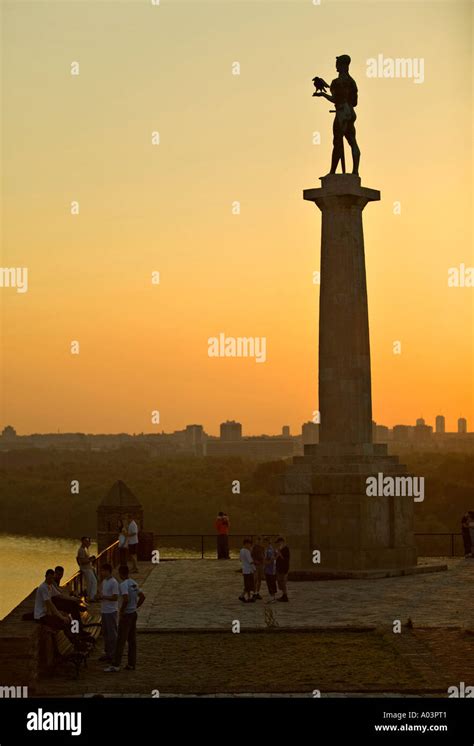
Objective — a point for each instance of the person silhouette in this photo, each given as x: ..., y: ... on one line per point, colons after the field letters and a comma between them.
x: 344, y: 96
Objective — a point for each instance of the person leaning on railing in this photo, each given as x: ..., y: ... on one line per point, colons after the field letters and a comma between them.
x: 85, y: 560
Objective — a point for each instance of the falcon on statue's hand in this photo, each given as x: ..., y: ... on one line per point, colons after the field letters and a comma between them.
x: 320, y: 85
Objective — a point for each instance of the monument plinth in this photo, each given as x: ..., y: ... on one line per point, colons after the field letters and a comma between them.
x: 324, y: 501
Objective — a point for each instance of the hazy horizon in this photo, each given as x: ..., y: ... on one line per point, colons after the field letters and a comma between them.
x: 245, y: 433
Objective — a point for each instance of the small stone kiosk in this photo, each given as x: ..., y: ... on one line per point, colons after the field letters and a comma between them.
x: 118, y: 503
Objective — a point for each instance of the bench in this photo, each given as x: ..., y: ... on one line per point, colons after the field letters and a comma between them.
x: 91, y: 624
x: 74, y: 650
x: 64, y: 650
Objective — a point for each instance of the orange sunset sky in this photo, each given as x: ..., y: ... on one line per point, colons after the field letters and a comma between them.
x: 168, y: 208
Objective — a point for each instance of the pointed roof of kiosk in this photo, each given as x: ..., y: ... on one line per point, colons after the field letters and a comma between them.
x: 120, y: 496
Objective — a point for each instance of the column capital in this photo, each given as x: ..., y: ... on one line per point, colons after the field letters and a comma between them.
x: 341, y: 185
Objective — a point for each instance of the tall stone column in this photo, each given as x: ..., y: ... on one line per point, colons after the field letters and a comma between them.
x: 325, y: 508
x: 345, y: 400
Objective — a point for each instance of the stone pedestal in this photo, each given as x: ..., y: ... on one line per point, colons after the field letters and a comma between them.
x: 325, y: 507
x: 323, y: 499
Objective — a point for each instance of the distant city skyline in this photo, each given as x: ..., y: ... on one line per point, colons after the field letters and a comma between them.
x: 233, y: 441
x: 234, y: 429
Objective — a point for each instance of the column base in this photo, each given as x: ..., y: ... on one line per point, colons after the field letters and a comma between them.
x: 325, y: 510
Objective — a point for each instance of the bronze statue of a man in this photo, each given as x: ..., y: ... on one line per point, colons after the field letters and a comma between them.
x: 344, y: 96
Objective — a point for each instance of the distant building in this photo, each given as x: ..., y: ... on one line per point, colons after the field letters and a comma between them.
x: 9, y: 433
x: 285, y: 431
x: 422, y: 431
x: 194, y: 439
x: 462, y: 426
x: 231, y: 430
x: 402, y: 432
x: 310, y: 433
x: 440, y: 424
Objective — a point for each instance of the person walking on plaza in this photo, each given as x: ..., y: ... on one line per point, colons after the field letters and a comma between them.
x: 282, y: 568
x: 132, y: 598
x: 109, y: 593
x: 270, y: 570
x: 132, y: 536
x: 222, y: 525
x: 85, y: 560
x: 258, y: 557
x: 248, y: 573
x: 466, y: 535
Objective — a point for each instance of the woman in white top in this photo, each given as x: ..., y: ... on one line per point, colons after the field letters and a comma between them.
x: 132, y: 533
x: 123, y: 542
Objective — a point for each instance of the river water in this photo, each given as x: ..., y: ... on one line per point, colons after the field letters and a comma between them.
x: 25, y: 559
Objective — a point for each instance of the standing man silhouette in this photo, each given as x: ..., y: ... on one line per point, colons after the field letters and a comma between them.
x: 344, y: 96
x: 222, y: 525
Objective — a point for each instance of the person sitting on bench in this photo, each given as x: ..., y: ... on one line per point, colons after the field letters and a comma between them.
x: 69, y: 604
x: 45, y: 611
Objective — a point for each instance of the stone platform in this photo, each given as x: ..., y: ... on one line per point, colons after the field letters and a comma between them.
x: 325, y: 508
x: 203, y: 595
x: 336, y: 637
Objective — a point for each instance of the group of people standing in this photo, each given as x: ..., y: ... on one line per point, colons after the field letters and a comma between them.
x: 119, y: 617
x: 261, y: 560
x: 119, y: 603
x: 119, y: 599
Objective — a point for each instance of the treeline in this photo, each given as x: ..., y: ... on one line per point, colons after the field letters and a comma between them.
x: 179, y: 495
x: 449, y: 489
x: 183, y: 495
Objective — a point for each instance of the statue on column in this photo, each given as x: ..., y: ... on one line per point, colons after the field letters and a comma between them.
x: 344, y: 97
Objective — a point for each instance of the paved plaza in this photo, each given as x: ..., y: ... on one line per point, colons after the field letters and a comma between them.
x: 203, y: 594
x: 334, y: 636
